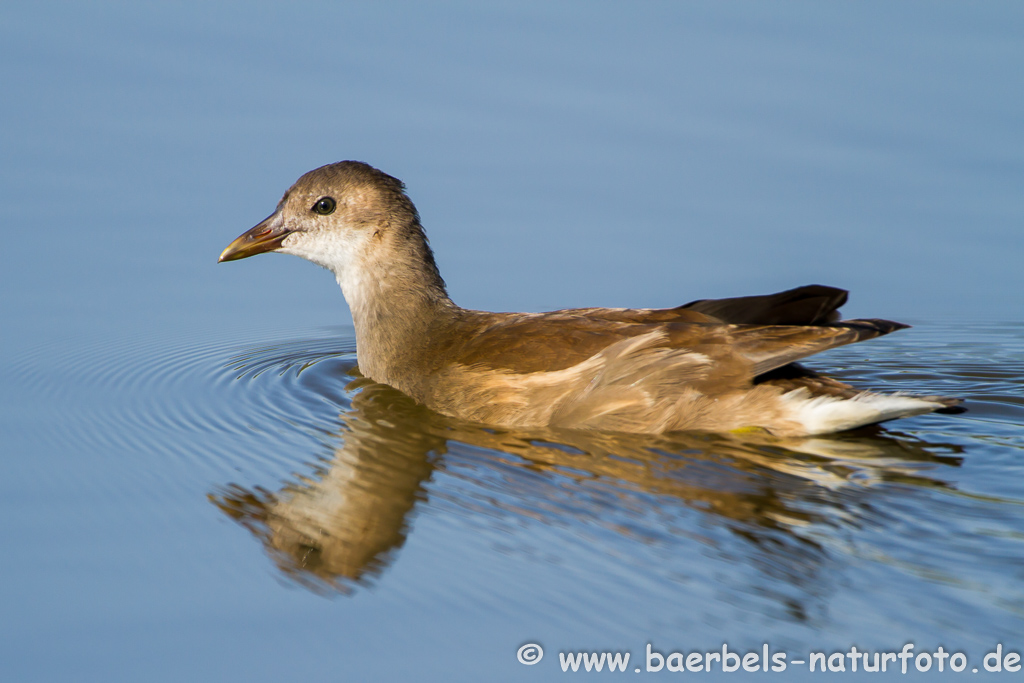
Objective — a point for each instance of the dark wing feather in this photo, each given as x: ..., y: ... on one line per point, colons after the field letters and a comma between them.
x: 809, y: 305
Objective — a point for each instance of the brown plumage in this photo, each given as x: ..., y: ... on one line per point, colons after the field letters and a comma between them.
x: 712, y: 364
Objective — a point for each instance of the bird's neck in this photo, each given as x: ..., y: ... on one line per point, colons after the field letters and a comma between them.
x: 399, y: 306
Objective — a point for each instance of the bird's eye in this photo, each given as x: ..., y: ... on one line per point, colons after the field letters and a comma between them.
x: 325, y: 205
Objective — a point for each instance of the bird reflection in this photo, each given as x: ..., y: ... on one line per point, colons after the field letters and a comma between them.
x: 342, y: 525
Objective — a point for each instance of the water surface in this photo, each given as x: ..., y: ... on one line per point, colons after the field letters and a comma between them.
x: 269, y: 474
x: 197, y: 484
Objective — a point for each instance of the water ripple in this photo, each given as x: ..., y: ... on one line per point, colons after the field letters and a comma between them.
x: 180, y: 398
x: 326, y: 469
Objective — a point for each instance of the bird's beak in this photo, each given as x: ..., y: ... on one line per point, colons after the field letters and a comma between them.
x: 267, y: 236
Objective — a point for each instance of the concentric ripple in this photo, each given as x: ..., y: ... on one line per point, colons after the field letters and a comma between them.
x: 326, y: 469
x: 198, y: 400
x: 149, y: 392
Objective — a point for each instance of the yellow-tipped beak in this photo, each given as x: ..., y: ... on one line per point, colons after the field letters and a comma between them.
x: 267, y: 236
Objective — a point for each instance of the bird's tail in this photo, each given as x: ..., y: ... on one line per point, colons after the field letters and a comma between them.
x: 828, y: 414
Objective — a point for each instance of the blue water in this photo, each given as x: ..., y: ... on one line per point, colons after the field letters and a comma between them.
x: 197, y: 483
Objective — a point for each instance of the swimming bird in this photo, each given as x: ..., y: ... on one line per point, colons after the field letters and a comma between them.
x: 715, y: 365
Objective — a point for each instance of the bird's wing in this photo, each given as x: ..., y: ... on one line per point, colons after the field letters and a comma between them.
x: 772, y: 346
x: 545, y: 342
x: 538, y: 342
x: 808, y: 305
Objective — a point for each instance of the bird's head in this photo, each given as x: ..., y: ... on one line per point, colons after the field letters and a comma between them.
x: 337, y: 216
